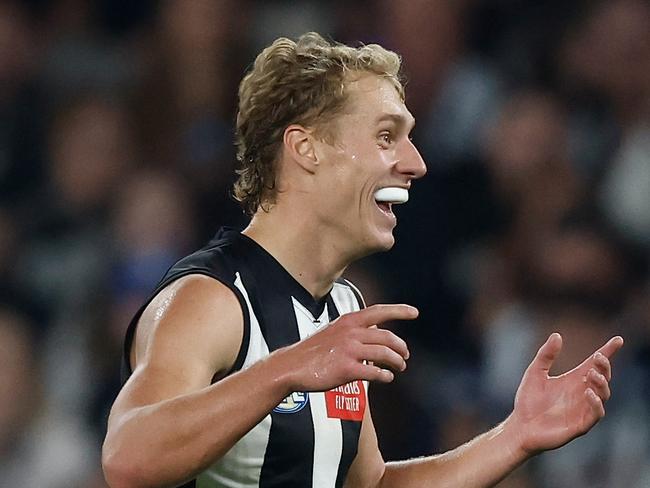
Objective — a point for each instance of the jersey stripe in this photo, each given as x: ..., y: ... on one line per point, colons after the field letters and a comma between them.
x: 343, y: 298
x: 287, y: 463
x: 355, y: 290
x: 328, y: 441
x: 241, y: 466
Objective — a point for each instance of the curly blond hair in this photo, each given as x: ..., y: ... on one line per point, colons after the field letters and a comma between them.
x: 302, y: 82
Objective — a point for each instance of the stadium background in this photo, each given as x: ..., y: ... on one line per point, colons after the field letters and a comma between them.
x: 116, y: 158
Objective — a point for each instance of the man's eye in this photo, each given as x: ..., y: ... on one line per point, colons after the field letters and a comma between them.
x: 386, y: 138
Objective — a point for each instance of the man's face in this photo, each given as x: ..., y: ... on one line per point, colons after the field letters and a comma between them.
x: 370, y: 150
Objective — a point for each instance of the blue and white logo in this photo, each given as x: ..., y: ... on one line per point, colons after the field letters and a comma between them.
x: 293, y: 403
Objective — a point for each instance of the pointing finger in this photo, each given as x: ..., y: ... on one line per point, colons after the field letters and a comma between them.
x: 611, y: 347
x: 377, y: 314
x: 601, y: 357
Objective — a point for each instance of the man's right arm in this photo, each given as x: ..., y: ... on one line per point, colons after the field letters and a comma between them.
x: 170, y: 422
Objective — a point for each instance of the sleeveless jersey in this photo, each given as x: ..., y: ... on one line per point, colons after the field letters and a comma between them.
x: 310, y: 439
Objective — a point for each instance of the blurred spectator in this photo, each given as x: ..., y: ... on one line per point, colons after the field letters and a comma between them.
x: 528, y: 161
x: 21, y: 107
x: 91, y: 149
x: 64, y: 257
x: 428, y: 34
x: 79, y: 54
x: 153, y: 226
x: 186, y: 99
x: 281, y: 18
x: 609, y: 53
x: 624, y: 193
x: 604, y: 66
x: 38, y: 447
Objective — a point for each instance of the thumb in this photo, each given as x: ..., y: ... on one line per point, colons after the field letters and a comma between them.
x: 547, y: 353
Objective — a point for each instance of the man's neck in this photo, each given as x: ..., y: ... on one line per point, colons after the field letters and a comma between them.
x: 296, y: 242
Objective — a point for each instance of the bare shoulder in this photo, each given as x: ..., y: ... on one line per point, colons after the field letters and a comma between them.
x: 190, y: 333
x: 195, y: 315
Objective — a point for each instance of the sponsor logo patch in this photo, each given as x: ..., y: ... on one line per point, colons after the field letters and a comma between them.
x: 293, y: 403
x: 347, y: 402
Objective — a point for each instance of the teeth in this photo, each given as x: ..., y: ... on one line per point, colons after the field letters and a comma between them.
x: 392, y: 194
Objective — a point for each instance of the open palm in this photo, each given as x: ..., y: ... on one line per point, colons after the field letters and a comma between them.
x: 552, y: 410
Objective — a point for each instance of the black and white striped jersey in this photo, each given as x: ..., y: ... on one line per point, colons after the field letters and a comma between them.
x: 310, y: 439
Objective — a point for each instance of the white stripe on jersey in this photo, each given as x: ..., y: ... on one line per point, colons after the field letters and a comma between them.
x: 328, y: 437
x: 344, y: 298
x: 241, y: 466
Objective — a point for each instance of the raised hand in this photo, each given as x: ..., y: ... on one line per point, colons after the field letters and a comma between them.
x: 349, y: 349
x: 552, y: 410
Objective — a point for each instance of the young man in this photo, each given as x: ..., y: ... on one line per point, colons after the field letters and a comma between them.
x: 250, y: 364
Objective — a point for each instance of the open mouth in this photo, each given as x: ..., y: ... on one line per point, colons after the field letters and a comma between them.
x: 386, y: 197
x: 385, y: 207
x: 392, y: 194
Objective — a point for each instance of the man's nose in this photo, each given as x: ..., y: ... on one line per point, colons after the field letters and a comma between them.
x: 411, y: 162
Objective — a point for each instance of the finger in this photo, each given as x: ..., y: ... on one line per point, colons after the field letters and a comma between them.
x: 370, y: 372
x: 599, y: 384
x: 596, y: 405
x: 377, y: 314
x: 607, y: 351
x: 383, y: 356
x: 611, y: 347
x: 547, y: 353
x: 386, y: 338
x: 603, y: 366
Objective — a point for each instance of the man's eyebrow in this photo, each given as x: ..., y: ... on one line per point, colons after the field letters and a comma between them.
x: 398, y: 119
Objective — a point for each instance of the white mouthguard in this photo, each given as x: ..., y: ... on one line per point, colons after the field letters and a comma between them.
x: 392, y: 194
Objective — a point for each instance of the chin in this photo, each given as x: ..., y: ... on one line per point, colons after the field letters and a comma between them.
x: 387, y: 242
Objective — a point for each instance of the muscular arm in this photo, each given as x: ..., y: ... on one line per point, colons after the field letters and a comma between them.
x: 548, y: 413
x: 169, y: 422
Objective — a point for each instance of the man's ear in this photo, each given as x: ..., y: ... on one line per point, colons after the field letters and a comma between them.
x: 299, y: 144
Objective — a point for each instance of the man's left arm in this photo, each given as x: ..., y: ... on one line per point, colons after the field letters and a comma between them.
x: 549, y: 412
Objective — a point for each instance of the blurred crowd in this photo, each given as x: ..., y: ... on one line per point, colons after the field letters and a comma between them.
x: 116, y: 158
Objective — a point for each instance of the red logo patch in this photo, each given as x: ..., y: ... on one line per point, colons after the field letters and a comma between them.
x: 347, y: 402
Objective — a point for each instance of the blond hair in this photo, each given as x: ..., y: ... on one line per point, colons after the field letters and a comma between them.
x: 300, y: 82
